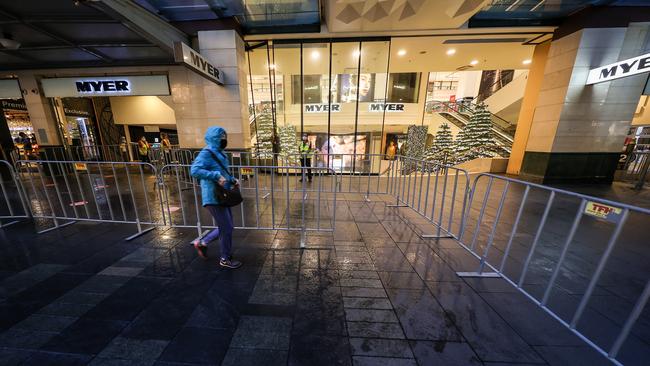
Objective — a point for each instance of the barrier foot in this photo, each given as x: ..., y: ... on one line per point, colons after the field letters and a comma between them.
x: 396, y: 205
x: 139, y: 233
x: 55, y: 227
x: 2, y: 226
x: 266, y: 195
x: 366, y: 198
x: 432, y: 236
x: 479, y: 274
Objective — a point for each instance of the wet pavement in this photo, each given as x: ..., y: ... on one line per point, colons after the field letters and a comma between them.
x: 371, y: 293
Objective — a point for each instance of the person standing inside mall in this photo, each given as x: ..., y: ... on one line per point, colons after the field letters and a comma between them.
x: 306, y: 153
x: 211, y: 167
x: 143, y: 149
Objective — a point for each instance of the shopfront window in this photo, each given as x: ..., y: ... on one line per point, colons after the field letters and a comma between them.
x: 403, y: 87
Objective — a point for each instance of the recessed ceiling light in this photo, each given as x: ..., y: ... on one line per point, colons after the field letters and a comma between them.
x: 473, y: 62
x: 401, y: 52
x: 423, y: 52
x: 315, y: 55
x: 272, y: 66
x: 527, y: 62
x: 451, y: 51
x: 356, y: 53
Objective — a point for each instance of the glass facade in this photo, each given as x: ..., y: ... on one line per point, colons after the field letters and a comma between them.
x: 350, y: 99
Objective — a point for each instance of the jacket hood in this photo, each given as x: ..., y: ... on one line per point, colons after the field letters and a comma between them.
x: 213, y: 137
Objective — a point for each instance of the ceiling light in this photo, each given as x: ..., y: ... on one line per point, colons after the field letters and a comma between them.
x: 356, y: 53
x: 272, y: 66
x: 527, y: 62
x: 451, y: 51
x: 473, y: 62
x: 401, y: 52
x: 315, y: 55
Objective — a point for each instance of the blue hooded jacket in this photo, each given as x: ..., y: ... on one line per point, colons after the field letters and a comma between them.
x: 206, y: 168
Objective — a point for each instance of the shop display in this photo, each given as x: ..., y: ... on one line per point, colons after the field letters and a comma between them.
x: 416, y: 141
x: 441, y: 151
x: 289, y: 145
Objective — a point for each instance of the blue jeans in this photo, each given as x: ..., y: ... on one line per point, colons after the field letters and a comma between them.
x: 223, y: 216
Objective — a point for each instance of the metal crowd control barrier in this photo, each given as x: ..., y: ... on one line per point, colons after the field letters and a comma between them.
x: 519, y: 231
x: 70, y: 191
x: 637, y: 170
x: 273, y: 200
x: 438, y: 193
x: 12, y: 205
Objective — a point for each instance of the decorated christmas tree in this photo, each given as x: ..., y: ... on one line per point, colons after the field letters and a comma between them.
x: 442, y: 149
x: 264, y: 145
x: 479, y: 130
x: 289, y: 145
x: 461, y: 147
x: 416, y: 140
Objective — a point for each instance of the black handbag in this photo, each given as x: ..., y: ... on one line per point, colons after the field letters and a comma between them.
x: 226, y: 197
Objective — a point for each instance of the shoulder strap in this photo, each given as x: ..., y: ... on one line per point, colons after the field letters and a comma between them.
x: 214, y: 156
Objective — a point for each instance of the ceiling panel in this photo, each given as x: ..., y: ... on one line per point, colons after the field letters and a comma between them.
x: 58, y: 55
x: 27, y: 35
x: 104, y: 32
x: 132, y: 53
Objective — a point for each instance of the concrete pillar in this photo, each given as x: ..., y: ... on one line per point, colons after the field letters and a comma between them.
x: 218, y: 105
x: 578, y: 130
x: 41, y: 114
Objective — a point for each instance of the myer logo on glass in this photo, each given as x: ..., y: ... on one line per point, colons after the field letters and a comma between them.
x: 99, y: 86
x: 620, y: 69
x: 388, y: 107
x: 322, y: 108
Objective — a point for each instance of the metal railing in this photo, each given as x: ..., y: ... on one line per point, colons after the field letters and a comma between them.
x: 519, y: 231
x: 12, y: 205
x: 636, y: 170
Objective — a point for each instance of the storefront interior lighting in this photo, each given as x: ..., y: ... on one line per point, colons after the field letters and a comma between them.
x: 527, y: 62
x: 315, y: 55
x: 451, y: 51
x: 356, y: 53
x: 473, y: 62
x: 272, y: 66
x: 401, y: 52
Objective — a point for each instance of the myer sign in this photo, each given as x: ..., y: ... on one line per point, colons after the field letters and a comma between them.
x: 183, y: 53
x: 620, y: 69
x: 322, y: 108
x: 112, y: 86
x: 388, y: 107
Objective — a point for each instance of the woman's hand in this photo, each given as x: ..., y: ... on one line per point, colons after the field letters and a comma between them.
x: 222, y: 181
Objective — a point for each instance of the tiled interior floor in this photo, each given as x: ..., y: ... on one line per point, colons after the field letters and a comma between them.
x: 371, y: 293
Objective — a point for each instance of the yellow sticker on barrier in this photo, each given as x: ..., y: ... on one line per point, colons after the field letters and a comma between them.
x: 80, y: 166
x: 246, y: 171
x: 603, y: 211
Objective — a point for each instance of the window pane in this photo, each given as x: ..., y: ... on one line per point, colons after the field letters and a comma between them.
x: 403, y: 87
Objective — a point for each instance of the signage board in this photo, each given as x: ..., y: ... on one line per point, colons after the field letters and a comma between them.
x: 603, y: 211
x: 185, y: 54
x: 10, y: 89
x: 80, y: 166
x: 322, y: 108
x: 388, y: 107
x: 109, y: 86
x: 246, y: 171
x: 18, y: 105
x: 620, y: 69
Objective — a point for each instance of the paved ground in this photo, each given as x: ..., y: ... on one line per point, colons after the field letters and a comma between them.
x: 371, y: 293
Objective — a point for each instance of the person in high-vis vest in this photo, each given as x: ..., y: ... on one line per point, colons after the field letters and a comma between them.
x: 306, y: 153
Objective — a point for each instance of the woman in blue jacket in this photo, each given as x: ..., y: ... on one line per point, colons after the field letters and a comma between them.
x: 206, y: 168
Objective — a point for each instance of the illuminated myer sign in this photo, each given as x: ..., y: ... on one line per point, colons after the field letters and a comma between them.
x: 388, y: 107
x: 185, y: 54
x: 620, y: 69
x: 95, y: 86
x: 322, y: 108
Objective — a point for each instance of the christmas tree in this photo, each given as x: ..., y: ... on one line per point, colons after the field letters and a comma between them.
x: 443, y: 146
x: 479, y: 130
x: 416, y: 140
x: 461, y: 147
x: 289, y: 145
x: 264, y: 145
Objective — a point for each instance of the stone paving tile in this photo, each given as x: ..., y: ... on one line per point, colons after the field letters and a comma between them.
x: 254, y: 357
x: 358, y: 274
x: 444, y: 353
x: 370, y: 315
x: 362, y: 292
x: 28, y: 278
x: 198, y: 345
x: 47, y: 323
x: 134, y: 350
x: 421, y: 316
x: 85, y: 336
x: 361, y: 282
x: 384, y: 361
x: 318, y: 350
x: 380, y: 347
x: 262, y: 332
x: 401, y: 280
x: 375, y: 330
x: 50, y: 358
x: 25, y: 338
x: 65, y: 309
x: 556, y: 356
x: 13, y: 357
x: 366, y: 303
